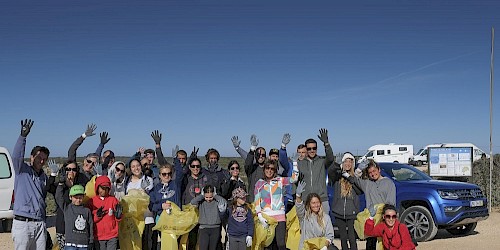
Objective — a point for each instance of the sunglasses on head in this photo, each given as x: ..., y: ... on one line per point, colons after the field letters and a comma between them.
x: 387, y: 216
x: 235, y: 168
x: 312, y: 148
x: 165, y: 174
x: 195, y: 166
x: 70, y: 169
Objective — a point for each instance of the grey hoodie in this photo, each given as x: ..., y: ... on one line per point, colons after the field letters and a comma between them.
x: 310, y: 227
x: 313, y: 173
x: 210, y: 212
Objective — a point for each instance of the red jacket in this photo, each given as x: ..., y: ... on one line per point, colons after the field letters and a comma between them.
x: 398, y: 238
x: 105, y: 228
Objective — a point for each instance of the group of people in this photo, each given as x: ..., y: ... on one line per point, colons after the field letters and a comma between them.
x: 275, y: 184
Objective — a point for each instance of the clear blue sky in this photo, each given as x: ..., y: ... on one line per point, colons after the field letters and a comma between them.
x: 410, y: 72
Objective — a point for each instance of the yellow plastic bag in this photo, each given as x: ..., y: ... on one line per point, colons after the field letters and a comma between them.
x: 135, y: 203
x: 359, y: 223
x: 177, y: 223
x: 89, y: 190
x: 263, y: 237
x: 293, y: 229
x: 314, y: 243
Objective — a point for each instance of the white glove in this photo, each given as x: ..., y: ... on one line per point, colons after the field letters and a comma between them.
x: 263, y: 220
x: 54, y: 168
x: 249, y: 241
x: 346, y: 175
x: 110, y: 212
x: 358, y: 172
x: 324, y: 248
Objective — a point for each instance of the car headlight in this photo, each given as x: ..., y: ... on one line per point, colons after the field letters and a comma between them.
x: 448, y: 194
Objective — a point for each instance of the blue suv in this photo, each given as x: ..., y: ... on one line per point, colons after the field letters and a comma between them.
x: 426, y: 205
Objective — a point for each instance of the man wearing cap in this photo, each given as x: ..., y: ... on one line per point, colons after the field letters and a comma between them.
x: 79, y: 224
x: 29, y: 228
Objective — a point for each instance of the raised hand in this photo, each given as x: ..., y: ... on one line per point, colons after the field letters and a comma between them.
x: 90, y: 130
x: 236, y: 141
x: 174, y: 151
x: 323, y: 135
x: 295, y: 157
x: 100, y: 212
x: 54, y: 168
x: 194, y: 154
x: 301, y: 187
x: 118, y: 211
x: 156, y: 137
x: 254, y: 141
x: 98, y: 169
x: 285, y: 140
x: 26, y: 127
x: 104, y: 137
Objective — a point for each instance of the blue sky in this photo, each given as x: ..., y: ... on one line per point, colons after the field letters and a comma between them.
x: 409, y: 72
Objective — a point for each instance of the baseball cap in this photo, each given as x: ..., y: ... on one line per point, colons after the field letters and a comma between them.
x: 274, y: 151
x: 76, y: 190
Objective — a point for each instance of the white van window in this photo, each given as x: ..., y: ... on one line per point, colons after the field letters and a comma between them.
x: 403, y: 149
x: 5, y: 171
x: 380, y: 152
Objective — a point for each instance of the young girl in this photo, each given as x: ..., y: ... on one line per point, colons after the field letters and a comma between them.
x: 107, y: 212
x: 240, y: 221
x: 314, y: 221
x: 210, y: 213
x: 395, y: 235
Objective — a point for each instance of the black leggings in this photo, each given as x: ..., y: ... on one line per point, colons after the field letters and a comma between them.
x: 208, y: 238
x: 279, y: 237
x: 346, y: 234
x: 371, y: 243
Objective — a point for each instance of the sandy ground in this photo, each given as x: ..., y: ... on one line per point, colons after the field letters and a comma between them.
x: 482, y: 238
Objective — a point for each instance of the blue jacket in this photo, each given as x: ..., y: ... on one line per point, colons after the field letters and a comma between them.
x: 171, y: 191
x: 239, y: 224
x: 283, y: 158
x: 29, y: 197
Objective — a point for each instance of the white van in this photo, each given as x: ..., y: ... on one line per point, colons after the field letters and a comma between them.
x: 402, y: 153
x: 421, y: 156
x: 6, y: 189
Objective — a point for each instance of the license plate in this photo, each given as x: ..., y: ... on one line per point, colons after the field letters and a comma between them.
x: 476, y: 203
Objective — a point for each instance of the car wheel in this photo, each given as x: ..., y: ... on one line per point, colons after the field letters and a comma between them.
x: 420, y: 223
x: 6, y: 225
x: 419, y: 163
x: 463, y: 229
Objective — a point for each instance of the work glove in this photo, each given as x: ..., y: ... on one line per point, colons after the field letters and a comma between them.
x: 118, y: 211
x: 373, y: 210
x: 249, y: 241
x: 98, y: 169
x: 104, y: 138
x: 263, y: 220
x: 61, y: 176
x: 26, y: 127
x: 285, y: 140
x: 90, y: 130
x: 323, y: 135
x: 346, y: 175
x: 295, y: 158
x: 54, y: 168
x: 174, y: 151
x: 358, y: 172
x: 100, y: 212
x: 156, y: 137
x: 221, y: 204
x: 145, y: 184
x: 301, y: 187
x: 194, y: 153
x: 254, y: 142
x: 236, y: 141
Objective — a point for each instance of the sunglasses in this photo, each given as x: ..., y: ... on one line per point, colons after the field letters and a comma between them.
x: 313, y: 148
x: 235, y: 168
x: 267, y: 168
x: 119, y: 170
x: 70, y: 169
x: 195, y: 166
x: 165, y: 174
x: 387, y: 216
x: 90, y: 162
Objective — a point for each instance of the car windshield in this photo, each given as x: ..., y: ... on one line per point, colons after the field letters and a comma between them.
x: 418, y: 153
x: 401, y: 172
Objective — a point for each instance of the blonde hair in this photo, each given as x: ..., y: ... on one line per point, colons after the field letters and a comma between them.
x: 320, y: 214
x: 345, y: 185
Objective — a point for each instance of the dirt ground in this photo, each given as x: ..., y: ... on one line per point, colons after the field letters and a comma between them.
x: 482, y: 238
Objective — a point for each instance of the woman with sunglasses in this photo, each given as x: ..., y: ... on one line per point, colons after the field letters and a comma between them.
x: 269, y: 193
x: 116, y: 174
x: 314, y: 221
x: 233, y: 182
x: 395, y: 235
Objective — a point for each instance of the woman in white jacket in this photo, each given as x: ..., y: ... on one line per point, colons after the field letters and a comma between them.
x: 314, y: 222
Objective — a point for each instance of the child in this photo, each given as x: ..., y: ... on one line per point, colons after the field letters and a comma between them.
x: 107, y: 212
x: 240, y: 221
x: 210, y: 213
x: 79, y: 227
